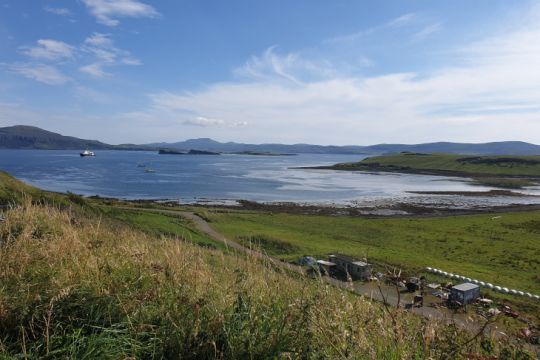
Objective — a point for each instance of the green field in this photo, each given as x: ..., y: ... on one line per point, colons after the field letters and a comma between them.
x: 460, y: 165
x: 502, y: 249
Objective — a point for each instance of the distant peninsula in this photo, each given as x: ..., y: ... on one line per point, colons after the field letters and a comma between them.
x: 262, y: 153
x: 498, y: 171
x: 190, y: 152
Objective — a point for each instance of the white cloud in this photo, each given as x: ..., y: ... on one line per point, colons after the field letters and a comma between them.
x: 58, y: 11
x: 107, y: 12
x: 105, y: 54
x: 402, y: 20
x: 40, y: 72
x: 203, y: 121
x: 239, y: 124
x: 395, y: 23
x: 99, y: 40
x: 48, y: 49
x: 131, y: 61
x: 491, y: 92
x: 95, y: 69
x: 292, y: 67
x: 101, y: 48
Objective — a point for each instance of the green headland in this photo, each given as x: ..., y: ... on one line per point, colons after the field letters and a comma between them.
x: 497, y: 171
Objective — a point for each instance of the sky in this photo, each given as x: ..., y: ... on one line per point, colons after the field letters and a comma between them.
x: 343, y: 72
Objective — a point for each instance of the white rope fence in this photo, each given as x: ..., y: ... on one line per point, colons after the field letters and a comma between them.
x: 497, y: 288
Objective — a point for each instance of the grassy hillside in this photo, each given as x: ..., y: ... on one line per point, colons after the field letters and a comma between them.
x: 158, y: 224
x: 31, y: 137
x: 13, y: 191
x: 449, y: 164
x: 78, y: 287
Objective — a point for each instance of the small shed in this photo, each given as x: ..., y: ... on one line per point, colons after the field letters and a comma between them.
x: 465, y: 293
x: 326, y: 267
x: 355, y: 268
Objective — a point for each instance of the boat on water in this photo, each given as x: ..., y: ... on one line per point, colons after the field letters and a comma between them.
x: 149, y: 170
x: 87, y: 153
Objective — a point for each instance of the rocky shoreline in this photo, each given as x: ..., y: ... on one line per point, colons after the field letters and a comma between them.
x: 387, y: 208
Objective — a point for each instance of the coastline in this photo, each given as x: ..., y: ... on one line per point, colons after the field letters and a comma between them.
x: 389, y: 208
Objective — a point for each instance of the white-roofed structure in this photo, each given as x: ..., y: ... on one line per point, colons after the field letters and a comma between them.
x: 465, y: 293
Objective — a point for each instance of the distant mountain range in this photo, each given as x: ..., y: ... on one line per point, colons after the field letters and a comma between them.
x: 29, y: 137
x: 492, y: 148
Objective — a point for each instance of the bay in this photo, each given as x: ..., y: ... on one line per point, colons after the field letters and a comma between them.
x: 222, y: 178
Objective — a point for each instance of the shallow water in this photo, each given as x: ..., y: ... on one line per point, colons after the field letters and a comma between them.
x: 196, y: 178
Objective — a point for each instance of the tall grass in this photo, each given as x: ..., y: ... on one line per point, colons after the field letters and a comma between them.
x: 74, y: 286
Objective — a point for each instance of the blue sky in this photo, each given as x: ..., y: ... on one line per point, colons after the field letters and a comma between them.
x: 326, y: 72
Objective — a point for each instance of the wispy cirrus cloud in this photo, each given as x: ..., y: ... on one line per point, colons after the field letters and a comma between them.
x: 428, y: 31
x: 420, y: 27
x: 292, y: 67
x: 401, y: 21
x: 395, y: 23
x: 107, y: 12
x: 58, y: 11
x: 48, y: 49
x: 105, y: 54
x: 40, y: 72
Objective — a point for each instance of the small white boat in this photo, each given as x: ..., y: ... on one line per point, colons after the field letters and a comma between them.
x: 87, y: 153
x: 149, y: 170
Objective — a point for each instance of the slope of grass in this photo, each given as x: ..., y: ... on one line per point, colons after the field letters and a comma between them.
x: 13, y: 191
x: 504, y: 249
x: 161, y: 224
x: 76, y: 288
x: 460, y: 165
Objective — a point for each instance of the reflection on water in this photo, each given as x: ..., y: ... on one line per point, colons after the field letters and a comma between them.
x: 232, y: 177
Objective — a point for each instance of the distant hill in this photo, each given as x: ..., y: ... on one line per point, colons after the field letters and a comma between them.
x: 449, y: 164
x: 31, y: 137
x: 493, y: 148
x: 233, y: 147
